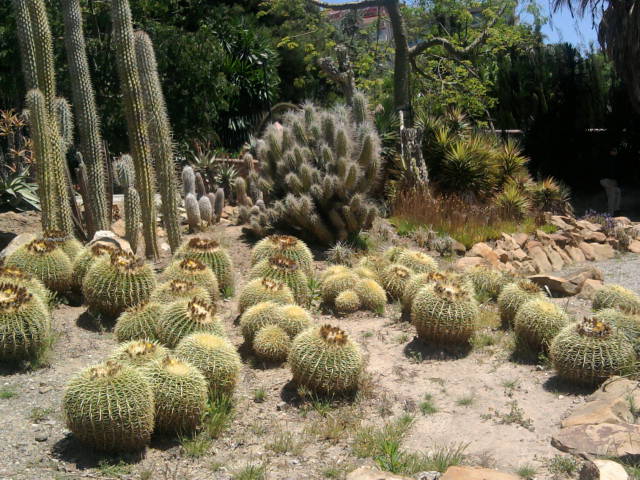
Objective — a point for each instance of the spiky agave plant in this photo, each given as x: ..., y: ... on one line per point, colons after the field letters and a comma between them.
x: 139, y: 322
x: 264, y: 290
x: 212, y: 255
x: 34, y: 286
x: 325, y: 360
x: 110, y: 407
x: 25, y: 324
x: 512, y: 202
x: 513, y: 296
x: 287, y: 271
x: 185, y: 317
x: 285, y: 246
x: 190, y: 270
x: 616, y: 296
x: 116, y: 283
x: 45, y: 261
x: 590, y: 351
x: 175, y: 290
x: 537, y: 322
x: 551, y: 196
x: 138, y: 353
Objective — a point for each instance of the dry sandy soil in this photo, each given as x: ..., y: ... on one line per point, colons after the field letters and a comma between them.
x: 503, y: 411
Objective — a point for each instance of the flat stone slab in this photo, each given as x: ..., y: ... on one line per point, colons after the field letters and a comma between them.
x: 601, y: 440
x: 476, y: 473
x: 368, y: 473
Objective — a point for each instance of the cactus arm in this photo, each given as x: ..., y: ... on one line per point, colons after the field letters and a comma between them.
x: 27, y: 44
x: 44, y: 51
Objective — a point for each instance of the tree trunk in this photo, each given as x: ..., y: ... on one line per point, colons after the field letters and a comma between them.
x: 401, y: 62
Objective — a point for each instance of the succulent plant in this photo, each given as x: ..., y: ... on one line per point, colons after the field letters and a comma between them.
x: 616, y: 296
x: 625, y: 323
x: 212, y: 255
x: 22, y: 279
x: 258, y: 316
x: 334, y: 285
x: 537, y: 322
x: 240, y: 189
x: 139, y: 322
x: 590, y: 351
x: 392, y: 254
x: 417, y: 262
x: 285, y: 246
x: 87, y: 257
x: 513, y: 296
x: 206, y: 210
x: 215, y: 357
x: 110, y: 407
x: 296, y: 319
x: 185, y: 317
x: 188, y: 180
x: 190, y: 270
x: 341, y: 254
x: 272, y: 343
x: 46, y: 262
x: 415, y: 284
x: 180, y: 392
x: 325, y: 360
x: 487, y: 282
x: 371, y: 295
x: 218, y: 204
x: 132, y: 217
x: 138, y: 353
x: 192, y: 207
x: 332, y: 270
x: 375, y: 263
x: 67, y: 243
x: 445, y: 313
x: 116, y: 283
x: 347, y: 302
x: 287, y: 271
x: 263, y: 290
x: 394, y: 279
x: 364, y: 272
x: 25, y: 323
x: 176, y: 290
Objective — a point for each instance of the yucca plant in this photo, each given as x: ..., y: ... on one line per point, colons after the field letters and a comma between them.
x: 509, y: 162
x: 512, y: 202
x: 466, y: 168
x: 551, y: 196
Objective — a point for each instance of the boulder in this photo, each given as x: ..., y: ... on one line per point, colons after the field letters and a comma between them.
x: 590, y: 236
x: 458, y: 247
x: 617, y: 387
x: 540, y: 260
x: 587, y: 250
x: 624, y: 221
x: 476, y: 473
x: 465, y: 263
x: 558, y: 286
x: 484, y: 251
x: 118, y: 227
x: 634, y: 246
x: 603, y: 251
x: 610, y: 470
x: 588, y: 273
x: 543, y: 237
x: 590, y: 287
x: 603, y: 439
x: 517, y: 254
x: 559, y: 222
x: 502, y: 255
x: 615, y: 410
x: 565, y: 257
x: 17, y: 242
x: 529, y: 244
x: 586, y: 225
x: 110, y: 238
x: 560, y: 239
x: 575, y: 253
x: 368, y: 473
x: 508, y: 242
x: 554, y: 257
x: 520, y: 238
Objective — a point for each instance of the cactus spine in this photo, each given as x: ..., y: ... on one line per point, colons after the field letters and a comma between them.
x: 43, y: 51
x: 160, y: 136
x: 64, y: 116
x: 86, y: 115
x: 27, y: 44
x: 132, y: 217
x: 136, y: 121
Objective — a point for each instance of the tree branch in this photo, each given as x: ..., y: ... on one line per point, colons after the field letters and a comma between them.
x: 348, y: 5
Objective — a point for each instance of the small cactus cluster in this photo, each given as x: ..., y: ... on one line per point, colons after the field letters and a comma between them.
x: 348, y: 290
x: 513, y: 296
x: 203, y: 209
x: 616, y: 296
x: 210, y: 253
x: 86, y: 259
x: 316, y: 172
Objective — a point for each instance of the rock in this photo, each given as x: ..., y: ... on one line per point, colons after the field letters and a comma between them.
x: 540, y: 260
x: 502, y: 255
x: 483, y: 250
x: 465, y: 263
x: 429, y: 476
x: 520, y: 238
x: 41, y: 437
x: 558, y: 221
x: 368, y: 473
x: 565, y: 257
x: 624, y: 221
x: 590, y: 236
x: 634, y: 246
x: 604, y: 439
x: 543, y: 237
x: 614, y: 410
x: 586, y: 225
x: 610, y: 470
x: 110, y: 238
x: 508, y: 242
x: 603, y: 251
x: 560, y: 239
x: 554, y: 257
x: 517, y: 254
x: 590, y: 287
x: 476, y: 473
x: 575, y: 253
x: 587, y: 250
x: 17, y: 242
x: 527, y: 268
x: 529, y: 244
x: 617, y: 387
x: 557, y: 285
x: 118, y: 227
x: 458, y: 247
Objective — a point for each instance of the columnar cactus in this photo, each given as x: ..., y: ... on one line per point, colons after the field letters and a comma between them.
x: 44, y: 52
x: 214, y: 256
x: 45, y: 261
x: 136, y: 119
x: 240, y: 188
x: 160, y: 135
x: 86, y: 114
x: 132, y: 217
x: 218, y: 205
x: 192, y: 208
x: 206, y: 210
x: 64, y: 119
x: 188, y: 181
x: 27, y: 43
x: 286, y: 246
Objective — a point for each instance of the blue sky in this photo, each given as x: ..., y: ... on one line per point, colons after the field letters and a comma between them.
x: 563, y: 27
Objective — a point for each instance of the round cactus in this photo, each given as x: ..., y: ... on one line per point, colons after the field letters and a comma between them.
x: 110, y: 407
x: 67, y: 243
x: 394, y: 279
x: 22, y: 279
x: 376, y: 264
x: 258, y: 316
x: 325, y: 360
x: 590, y: 351
x: 364, y: 272
x: 416, y: 282
x: 372, y: 295
x: 87, y: 257
x: 264, y: 290
x: 333, y: 270
x: 215, y: 257
x: 537, y: 322
x: 180, y: 391
x: 487, y: 281
x: 287, y: 271
x: 392, y: 254
x: 215, y: 357
x: 625, y: 323
x: 286, y: 246
x: 272, y: 343
x: 25, y: 323
x: 334, y: 285
x: 444, y: 313
x: 190, y: 270
x: 417, y: 262
x: 116, y: 283
x: 46, y: 262
x: 513, y: 296
x: 185, y: 317
x: 616, y: 296
x: 295, y: 319
x: 348, y: 302
x: 138, y: 352
x: 139, y: 322
x: 175, y: 290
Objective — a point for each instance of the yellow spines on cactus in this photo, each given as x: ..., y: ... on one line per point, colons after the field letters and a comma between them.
x: 332, y: 270
x: 175, y: 290
x: 138, y: 352
x: 116, y: 283
x: 25, y: 323
x: 110, y: 407
x: 87, y: 257
x: 375, y: 263
x: 537, y: 322
x: 487, y: 282
x: 287, y: 271
x: 139, y: 322
x: 395, y: 278
x: 215, y: 357
x: 272, y: 343
x: 46, y: 262
x: 392, y: 254
x: 325, y: 360
x: 67, y: 243
x: 513, y: 296
x: 295, y: 319
x: 185, y: 317
x: 258, y: 316
x: 416, y: 282
x: 347, y: 302
x: 263, y: 290
x: 215, y: 257
x: 616, y: 296
x: 417, y: 262
x: 191, y: 270
x: 371, y: 295
x: 21, y: 278
x: 337, y: 283
x: 286, y: 246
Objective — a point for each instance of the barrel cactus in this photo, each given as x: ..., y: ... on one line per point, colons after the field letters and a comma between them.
x: 334, y: 285
x: 286, y: 246
x: 215, y: 257
x: 215, y: 357
x: 20, y: 278
x: 175, y: 290
x: 139, y: 322
x: 375, y: 263
x: 395, y: 278
x: 110, y: 407
x: 537, y: 322
x: 348, y: 302
x: 25, y: 324
x: 116, y: 283
x: 487, y: 282
x: 272, y: 343
x: 287, y: 271
x: 46, y: 262
x: 138, y: 353
x: 417, y: 262
x: 416, y: 282
x: 194, y: 271
x: 392, y: 254
x: 87, y: 257
x: 67, y: 243
x: 333, y: 270
x: 590, y: 351
x: 185, y: 317
x: 258, y: 316
x: 513, y: 296
x: 616, y: 296
x: 371, y: 295
x: 325, y: 360
x: 180, y: 392
x: 625, y: 323
x: 296, y: 319
x: 264, y: 290
x: 445, y: 313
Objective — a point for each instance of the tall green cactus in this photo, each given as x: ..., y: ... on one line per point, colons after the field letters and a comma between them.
x: 27, y: 43
x: 160, y: 136
x: 132, y: 217
x: 136, y: 119
x: 86, y: 115
x: 44, y: 51
x: 64, y: 117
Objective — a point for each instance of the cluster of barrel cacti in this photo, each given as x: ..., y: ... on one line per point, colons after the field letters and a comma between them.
x: 347, y: 290
x: 316, y: 171
x: 203, y: 209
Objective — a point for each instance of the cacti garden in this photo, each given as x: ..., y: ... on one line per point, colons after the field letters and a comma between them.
x: 187, y: 321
